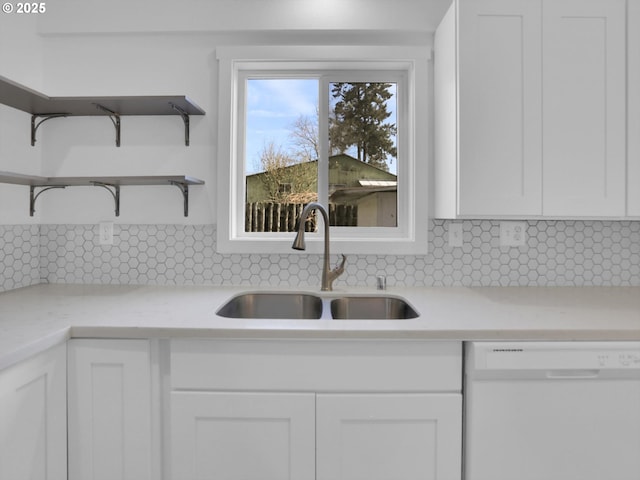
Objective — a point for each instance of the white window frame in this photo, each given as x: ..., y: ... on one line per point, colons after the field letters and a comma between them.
x: 408, y: 65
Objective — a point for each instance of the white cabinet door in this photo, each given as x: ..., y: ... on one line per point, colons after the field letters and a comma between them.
x: 389, y: 436
x: 633, y: 139
x: 538, y: 94
x: 500, y: 107
x: 242, y: 436
x: 584, y: 110
x: 109, y: 410
x: 33, y: 433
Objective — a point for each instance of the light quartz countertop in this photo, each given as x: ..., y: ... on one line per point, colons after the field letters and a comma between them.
x: 35, y: 318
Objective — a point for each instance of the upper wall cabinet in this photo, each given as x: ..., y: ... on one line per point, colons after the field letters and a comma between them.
x: 530, y: 109
x: 584, y: 107
x: 633, y: 145
x: 488, y: 148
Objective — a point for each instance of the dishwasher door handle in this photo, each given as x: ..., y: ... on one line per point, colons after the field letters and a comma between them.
x: 577, y: 374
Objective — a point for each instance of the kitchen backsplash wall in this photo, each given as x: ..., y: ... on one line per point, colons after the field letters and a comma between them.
x: 558, y: 253
x: 19, y: 256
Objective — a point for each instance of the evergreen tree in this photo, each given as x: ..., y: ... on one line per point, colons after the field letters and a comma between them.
x: 358, y: 120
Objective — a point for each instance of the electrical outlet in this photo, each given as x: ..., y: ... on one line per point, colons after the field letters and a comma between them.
x: 455, y: 234
x: 105, y: 233
x: 513, y: 234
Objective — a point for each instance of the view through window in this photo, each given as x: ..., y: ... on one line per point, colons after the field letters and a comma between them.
x: 283, y: 149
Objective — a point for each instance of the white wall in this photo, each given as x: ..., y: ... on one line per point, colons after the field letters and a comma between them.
x: 139, y: 47
x: 130, y: 64
x: 21, y: 61
x: 142, y: 46
x: 119, y: 16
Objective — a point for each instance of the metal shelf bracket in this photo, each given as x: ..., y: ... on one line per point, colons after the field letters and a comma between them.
x: 115, y: 119
x: 39, y: 185
x: 33, y: 196
x: 35, y: 123
x: 114, y: 190
x: 185, y: 119
x: 184, y: 188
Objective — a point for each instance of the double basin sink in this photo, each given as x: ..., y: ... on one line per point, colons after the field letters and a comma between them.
x: 306, y: 306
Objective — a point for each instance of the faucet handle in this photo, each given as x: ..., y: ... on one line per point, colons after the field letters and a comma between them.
x: 336, y: 272
x: 339, y: 270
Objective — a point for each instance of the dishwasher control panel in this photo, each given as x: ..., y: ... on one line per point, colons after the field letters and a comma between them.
x: 628, y: 359
x: 510, y: 356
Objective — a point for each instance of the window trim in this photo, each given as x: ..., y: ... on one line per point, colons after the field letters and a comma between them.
x: 410, y: 237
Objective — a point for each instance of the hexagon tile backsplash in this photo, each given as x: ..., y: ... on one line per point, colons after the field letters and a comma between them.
x: 557, y: 253
x: 19, y: 256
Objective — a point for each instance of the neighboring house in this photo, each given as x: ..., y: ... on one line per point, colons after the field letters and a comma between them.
x: 351, y: 182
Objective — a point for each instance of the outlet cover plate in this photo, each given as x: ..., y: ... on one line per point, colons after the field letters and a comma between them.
x: 513, y: 234
x: 105, y: 233
x: 455, y: 234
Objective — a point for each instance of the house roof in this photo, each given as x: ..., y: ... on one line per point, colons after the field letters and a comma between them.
x: 344, y: 159
x: 356, y: 193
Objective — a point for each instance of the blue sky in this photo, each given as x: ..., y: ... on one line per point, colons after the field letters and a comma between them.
x: 273, y: 105
x: 272, y: 108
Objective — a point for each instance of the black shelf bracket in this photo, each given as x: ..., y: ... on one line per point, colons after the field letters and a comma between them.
x: 185, y: 119
x: 35, y: 123
x: 114, y: 190
x: 39, y: 185
x: 33, y: 196
x: 115, y: 119
x: 184, y: 188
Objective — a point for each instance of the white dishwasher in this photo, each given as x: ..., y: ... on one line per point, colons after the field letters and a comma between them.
x: 552, y: 411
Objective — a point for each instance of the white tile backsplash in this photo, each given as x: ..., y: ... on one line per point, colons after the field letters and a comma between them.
x: 19, y: 256
x: 557, y: 253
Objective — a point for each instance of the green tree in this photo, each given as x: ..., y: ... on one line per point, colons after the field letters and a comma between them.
x: 359, y: 119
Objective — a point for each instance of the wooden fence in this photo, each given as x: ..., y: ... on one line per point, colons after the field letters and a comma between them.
x: 282, y: 217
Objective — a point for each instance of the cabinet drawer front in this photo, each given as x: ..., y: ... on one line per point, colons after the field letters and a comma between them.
x: 316, y: 365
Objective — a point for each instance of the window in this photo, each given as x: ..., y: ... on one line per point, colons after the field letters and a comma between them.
x: 330, y: 124
x: 285, y: 189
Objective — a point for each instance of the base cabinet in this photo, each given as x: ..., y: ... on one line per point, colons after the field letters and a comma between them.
x: 388, y: 436
x: 109, y: 396
x: 242, y: 435
x: 305, y: 410
x: 33, y: 421
x: 271, y: 436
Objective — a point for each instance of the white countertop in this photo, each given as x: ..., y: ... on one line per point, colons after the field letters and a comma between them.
x: 38, y: 317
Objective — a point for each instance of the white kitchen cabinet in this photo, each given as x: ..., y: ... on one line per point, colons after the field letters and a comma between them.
x: 33, y: 422
x: 633, y: 138
x: 530, y: 109
x: 383, y: 436
x: 306, y: 409
x: 488, y: 109
x: 584, y: 110
x: 109, y: 395
x: 249, y: 435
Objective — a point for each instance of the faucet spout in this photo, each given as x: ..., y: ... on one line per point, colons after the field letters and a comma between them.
x: 328, y: 275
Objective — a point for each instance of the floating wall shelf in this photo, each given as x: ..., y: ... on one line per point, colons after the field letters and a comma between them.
x: 43, y: 108
x: 39, y: 185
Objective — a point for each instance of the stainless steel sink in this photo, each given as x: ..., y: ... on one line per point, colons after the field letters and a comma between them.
x: 273, y: 306
x: 371, y: 308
